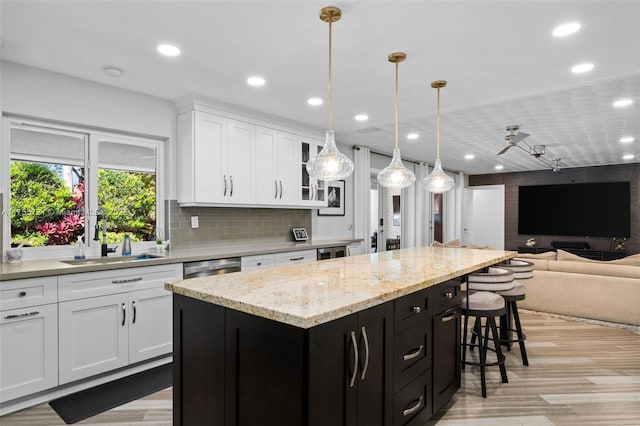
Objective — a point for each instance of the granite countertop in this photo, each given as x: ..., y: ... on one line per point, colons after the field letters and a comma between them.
x: 314, y: 293
x: 48, y: 267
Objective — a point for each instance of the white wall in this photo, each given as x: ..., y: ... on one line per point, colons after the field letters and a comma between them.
x: 487, y: 220
x: 58, y: 97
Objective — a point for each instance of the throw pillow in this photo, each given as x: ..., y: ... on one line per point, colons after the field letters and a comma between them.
x: 565, y: 255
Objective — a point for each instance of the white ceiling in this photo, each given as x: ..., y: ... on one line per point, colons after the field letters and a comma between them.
x: 502, y: 63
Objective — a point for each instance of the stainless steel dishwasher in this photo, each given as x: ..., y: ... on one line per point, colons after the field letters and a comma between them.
x: 206, y: 268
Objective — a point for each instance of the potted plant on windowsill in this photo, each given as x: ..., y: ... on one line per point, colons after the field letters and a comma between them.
x: 161, y: 244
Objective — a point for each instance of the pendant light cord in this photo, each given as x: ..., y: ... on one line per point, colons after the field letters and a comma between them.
x: 330, y: 118
x: 438, y: 126
x: 396, y: 105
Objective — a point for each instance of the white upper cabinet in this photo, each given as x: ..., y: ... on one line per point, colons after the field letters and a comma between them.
x: 216, y: 160
x: 276, y: 167
x: 223, y: 161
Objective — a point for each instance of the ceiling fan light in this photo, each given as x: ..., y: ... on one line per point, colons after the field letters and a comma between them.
x: 330, y: 164
x: 396, y: 175
x: 438, y: 181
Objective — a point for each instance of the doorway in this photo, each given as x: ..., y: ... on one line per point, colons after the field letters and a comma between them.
x: 436, y: 217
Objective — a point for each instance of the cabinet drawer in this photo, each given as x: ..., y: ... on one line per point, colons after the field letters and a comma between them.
x: 447, y: 294
x: 411, y: 310
x: 92, y: 284
x: 412, y: 404
x: 249, y: 263
x: 411, y: 354
x: 17, y: 294
x: 292, y: 257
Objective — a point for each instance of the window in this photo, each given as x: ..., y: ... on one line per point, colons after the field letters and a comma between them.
x: 57, y: 196
x: 47, y: 187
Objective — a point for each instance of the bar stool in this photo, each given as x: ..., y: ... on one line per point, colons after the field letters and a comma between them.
x: 487, y: 305
x: 522, y: 270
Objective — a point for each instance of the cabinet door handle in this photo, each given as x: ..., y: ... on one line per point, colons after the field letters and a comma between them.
x: 414, y: 354
x: 281, y: 190
x: 124, y: 314
x: 276, y: 183
x: 448, y: 295
x: 416, y: 407
x: 128, y: 280
x: 22, y: 293
x: 448, y: 317
x: 354, y: 343
x: 416, y: 309
x: 135, y: 312
x: 225, y: 186
x: 27, y: 314
x: 366, y: 353
x: 294, y: 259
x: 231, y: 180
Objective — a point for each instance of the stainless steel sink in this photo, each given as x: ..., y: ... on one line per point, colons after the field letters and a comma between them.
x: 109, y: 260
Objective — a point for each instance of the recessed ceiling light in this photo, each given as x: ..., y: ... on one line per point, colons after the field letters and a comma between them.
x: 628, y: 157
x: 622, y: 103
x: 627, y: 139
x: 413, y: 136
x: 361, y: 117
x: 112, y: 71
x: 314, y: 101
x: 499, y: 167
x: 168, y: 50
x: 580, y: 68
x: 566, y: 29
x: 469, y: 157
x: 256, y: 81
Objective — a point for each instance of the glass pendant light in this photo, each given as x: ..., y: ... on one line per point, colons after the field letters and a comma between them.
x: 396, y: 175
x: 438, y: 181
x: 330, y: 164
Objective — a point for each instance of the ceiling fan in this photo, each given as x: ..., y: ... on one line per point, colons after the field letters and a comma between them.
x: 512, y: 138
x: 537, y: 151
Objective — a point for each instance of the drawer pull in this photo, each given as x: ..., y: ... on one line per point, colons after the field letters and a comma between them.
x: 129, y: 280
x: 27, y: 314
x: 416, y: 407
x: 22, y: 293
x: 414, y: 354
x: 448, y: 295
x: 416, y: 309
x: 354, y: 343
x: 293, y: 259
x: 259, y: 263
x: 448, y: 317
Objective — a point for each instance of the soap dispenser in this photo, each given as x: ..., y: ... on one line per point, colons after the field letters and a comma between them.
x: 126, y: 246
x: 79, y: 250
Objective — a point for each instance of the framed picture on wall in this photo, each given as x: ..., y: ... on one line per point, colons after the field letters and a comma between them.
x: 335, y: 199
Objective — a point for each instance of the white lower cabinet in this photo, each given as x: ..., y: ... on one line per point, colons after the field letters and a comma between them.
x: 301, y: 256
x: 132, y: 322
x: 28, y: 350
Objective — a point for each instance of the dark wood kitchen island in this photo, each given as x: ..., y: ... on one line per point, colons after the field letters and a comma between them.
x: 364, y: 340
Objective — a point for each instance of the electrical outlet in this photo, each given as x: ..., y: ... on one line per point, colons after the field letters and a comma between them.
x: 194, y: 222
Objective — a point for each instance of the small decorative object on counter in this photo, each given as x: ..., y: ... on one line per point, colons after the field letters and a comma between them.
x: 530, y: 242
x: 79, y: 250
x: 618, y: 243
x: 126, y: 245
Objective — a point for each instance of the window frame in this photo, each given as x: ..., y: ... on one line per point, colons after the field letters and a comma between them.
x: 91, y: 165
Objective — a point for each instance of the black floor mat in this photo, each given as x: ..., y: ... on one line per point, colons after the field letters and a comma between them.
x: 81, y: 405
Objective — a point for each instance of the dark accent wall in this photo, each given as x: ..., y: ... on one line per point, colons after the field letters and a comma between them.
x: 512, y: 181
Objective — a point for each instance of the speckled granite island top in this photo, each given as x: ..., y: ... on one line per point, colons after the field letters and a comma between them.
x: 310, y: 294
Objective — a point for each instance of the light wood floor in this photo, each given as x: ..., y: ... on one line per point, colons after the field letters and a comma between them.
x: 578, y: 374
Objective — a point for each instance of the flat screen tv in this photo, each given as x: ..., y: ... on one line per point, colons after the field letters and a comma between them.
x: 578, y: 209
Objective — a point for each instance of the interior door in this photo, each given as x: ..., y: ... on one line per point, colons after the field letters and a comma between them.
x: 436, y: 217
